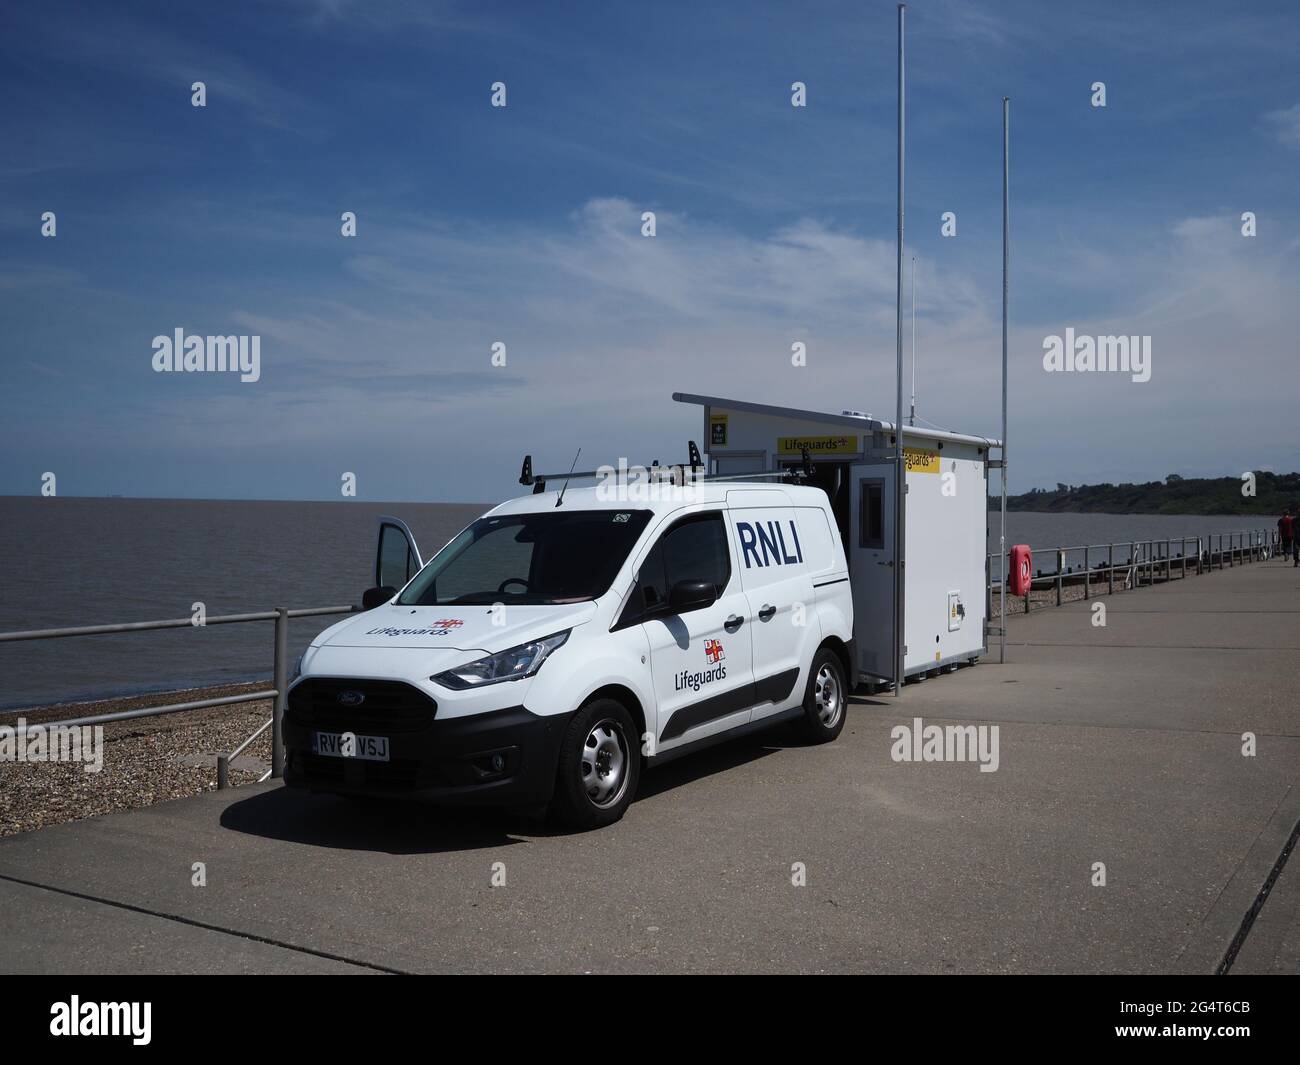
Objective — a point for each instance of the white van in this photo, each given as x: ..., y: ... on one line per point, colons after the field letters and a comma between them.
x: 564, y: 640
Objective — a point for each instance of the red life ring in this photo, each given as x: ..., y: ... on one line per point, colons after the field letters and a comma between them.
x: 1019, y: 579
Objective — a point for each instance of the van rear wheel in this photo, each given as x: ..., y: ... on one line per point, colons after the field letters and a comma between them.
x: 599, y: 767
x: 825, y: 702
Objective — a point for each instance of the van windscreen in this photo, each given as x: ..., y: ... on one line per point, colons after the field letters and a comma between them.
x: 529, y: 559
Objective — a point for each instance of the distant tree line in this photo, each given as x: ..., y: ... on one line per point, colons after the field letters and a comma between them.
x: 1176, y: 494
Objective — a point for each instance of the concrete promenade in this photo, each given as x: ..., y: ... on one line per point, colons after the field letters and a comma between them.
x: 1119, y: 744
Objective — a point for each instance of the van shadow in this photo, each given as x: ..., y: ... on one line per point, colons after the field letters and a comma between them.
x: 728, y: 755
x: 396, y: 826
x: 410, y: 826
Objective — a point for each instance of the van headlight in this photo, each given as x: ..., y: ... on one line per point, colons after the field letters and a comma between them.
x: 512, y: 664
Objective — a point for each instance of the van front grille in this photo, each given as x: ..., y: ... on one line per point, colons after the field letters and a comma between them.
x: 360, y: 706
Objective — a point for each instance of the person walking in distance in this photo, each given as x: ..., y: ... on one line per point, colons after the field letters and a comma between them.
x: 1285, y: 533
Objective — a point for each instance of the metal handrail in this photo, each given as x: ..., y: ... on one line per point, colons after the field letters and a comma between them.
x: 224, y: 760
x: 168, y: 623
x: 1144, y: 556
x: 278, y: 692
x: 154, y: 711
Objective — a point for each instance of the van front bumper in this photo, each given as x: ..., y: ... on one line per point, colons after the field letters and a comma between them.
x: 505, y: 757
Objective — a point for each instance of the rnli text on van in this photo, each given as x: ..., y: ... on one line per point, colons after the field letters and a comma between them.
x: 769, y: 537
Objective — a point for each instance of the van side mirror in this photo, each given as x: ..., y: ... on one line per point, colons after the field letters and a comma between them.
x: 373, y: 597
x: 691, y: 595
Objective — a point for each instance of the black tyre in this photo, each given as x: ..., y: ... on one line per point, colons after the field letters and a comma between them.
x: 825, y: 703
x: 599, y: 768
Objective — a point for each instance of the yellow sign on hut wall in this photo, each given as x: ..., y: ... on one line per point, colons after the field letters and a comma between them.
x: 817, y: 445
x: 920, y: 460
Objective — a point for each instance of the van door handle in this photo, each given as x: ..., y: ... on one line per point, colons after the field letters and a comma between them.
x: 767, y: 613
x: 733, y: 623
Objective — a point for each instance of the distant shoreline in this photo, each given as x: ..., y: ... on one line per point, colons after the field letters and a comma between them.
x: 1251, y: 494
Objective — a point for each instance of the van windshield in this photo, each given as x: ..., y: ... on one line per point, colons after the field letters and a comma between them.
x: 533, y: 559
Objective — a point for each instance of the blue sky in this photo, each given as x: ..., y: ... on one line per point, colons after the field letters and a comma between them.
x: 522, y: 225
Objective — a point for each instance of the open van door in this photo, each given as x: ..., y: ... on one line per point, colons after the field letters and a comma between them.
x: 397, y: 558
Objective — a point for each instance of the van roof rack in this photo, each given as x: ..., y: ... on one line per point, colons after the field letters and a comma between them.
x: 678, y: 473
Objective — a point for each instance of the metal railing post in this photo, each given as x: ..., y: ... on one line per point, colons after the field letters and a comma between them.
x: 223, y: 772
x: 1169, y: 560
x: 281, y: 690
x: 1087, y: 572
x: 1110, y: 565
x: 1060, y: 573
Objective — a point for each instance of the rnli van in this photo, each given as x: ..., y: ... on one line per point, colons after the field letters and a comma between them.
x: 565, y: 641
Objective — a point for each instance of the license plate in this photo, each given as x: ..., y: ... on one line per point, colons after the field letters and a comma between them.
x: 346, y: 745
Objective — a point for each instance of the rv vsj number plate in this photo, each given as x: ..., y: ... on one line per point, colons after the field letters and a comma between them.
x: 367, y: 748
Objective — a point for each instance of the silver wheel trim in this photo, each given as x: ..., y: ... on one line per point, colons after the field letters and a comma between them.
x: 605, y: 763
x: 827, y: 697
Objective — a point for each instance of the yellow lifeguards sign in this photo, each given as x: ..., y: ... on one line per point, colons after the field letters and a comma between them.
x: 920, y: 460
x: 817, y: 445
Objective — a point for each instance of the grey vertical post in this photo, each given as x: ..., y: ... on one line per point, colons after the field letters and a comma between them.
x: 1110, y: 566
x: 281, y: 690
x: 223, y: 772
x: 1060, y: 573
x: 900, y: 468
x: 1087, y: 572
x: 1169, y: 560
x: 1132, y: 561
x: 1006, y: 312
x: 988, y: 587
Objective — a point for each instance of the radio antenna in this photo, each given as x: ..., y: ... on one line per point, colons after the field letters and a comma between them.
x: 560, y: 498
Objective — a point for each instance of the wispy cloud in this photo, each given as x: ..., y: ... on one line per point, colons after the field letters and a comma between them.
x: 1285, y: 125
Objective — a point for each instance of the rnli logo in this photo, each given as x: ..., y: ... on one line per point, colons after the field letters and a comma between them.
x: 713, y: 651
x: 769, y: 543
x: 351, y: 697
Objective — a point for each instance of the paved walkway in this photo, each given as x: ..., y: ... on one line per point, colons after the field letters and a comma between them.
x: 1120, y: 745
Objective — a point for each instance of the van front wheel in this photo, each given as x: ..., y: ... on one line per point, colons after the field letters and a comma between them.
x: 600, y: 765
x: 826, y: 700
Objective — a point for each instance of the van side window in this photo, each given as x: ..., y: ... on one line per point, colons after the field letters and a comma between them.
x: 871, y: 520
x: 694, y: 549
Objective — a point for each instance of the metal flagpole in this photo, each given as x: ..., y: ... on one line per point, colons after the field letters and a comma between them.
x: 1006, y: 267
x: 900, y: 472
x: 911, y: 418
